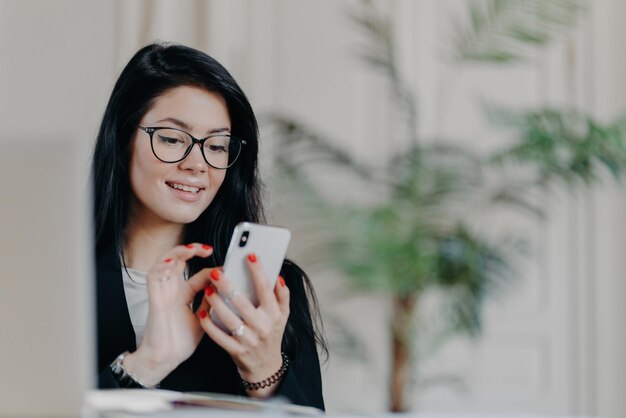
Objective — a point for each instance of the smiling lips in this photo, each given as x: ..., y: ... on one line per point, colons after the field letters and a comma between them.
x: 184, y: 188
x: 185, y: 191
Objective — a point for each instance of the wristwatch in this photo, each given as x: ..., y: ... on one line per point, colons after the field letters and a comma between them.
x: 123, y: 378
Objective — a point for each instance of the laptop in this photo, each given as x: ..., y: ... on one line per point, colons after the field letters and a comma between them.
x: 46, y: 301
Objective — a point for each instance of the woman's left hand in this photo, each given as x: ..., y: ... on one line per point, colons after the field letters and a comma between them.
x: 255, y: 339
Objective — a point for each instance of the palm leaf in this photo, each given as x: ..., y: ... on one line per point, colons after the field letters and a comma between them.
x: 378, y: 49
x: 378, y: 53
x: 299, y: 145
x: 564, y: 146
x: 505, y: 31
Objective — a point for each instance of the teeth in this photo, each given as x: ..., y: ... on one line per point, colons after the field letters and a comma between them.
x: 185, y: 188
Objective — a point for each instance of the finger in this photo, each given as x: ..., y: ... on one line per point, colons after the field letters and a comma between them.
x: 228, y: 343
x: 204, y: 306
x: 230, y: 319
x: 240, y: 302
x: 172, y: 263
x: 282, y: 296
x: 188, y: 251
x: 162, y: 274
x: 164, y: 266
x: 201, y: 279
x: 224, y: 313
x: 261, y: 282
x: 197, y: 283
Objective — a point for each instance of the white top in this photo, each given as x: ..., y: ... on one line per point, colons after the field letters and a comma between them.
x: 136, y: 290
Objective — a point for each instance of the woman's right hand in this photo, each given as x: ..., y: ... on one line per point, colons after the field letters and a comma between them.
x: 172, y: 332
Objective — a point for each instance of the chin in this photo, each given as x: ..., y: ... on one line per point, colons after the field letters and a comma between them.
x: 182, y: 218
x: 188, y: 219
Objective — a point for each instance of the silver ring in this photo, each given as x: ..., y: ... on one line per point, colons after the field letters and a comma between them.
x: 239, y: 331
x: 230, y: 295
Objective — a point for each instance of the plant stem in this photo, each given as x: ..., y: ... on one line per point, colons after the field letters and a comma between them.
x: 401, y: 346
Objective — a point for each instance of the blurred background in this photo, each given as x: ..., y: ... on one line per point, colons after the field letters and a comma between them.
x: 451, y: 170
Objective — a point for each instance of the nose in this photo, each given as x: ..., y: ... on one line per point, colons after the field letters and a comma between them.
x: 194, y: 161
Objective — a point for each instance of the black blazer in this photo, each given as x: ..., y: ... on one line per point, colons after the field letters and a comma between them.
x: 210, y: 368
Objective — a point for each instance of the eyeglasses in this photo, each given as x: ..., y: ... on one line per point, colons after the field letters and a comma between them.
x: 172, y: 145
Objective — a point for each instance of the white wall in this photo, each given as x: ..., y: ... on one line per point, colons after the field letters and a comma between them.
x: 608, y: 96
x: 56, y: 65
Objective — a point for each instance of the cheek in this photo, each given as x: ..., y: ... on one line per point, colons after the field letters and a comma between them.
x: 143, y: 173
x: 220, y: 178
x: 134, y: 176
x: 216, y: 179
x: 137, y: 176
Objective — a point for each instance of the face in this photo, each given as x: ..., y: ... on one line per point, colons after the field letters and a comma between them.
x: 177, y: 192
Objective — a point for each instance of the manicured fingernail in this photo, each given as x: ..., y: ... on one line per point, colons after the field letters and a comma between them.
x: 167, y: 260
x: 209, y: 290
x: 252, y: 257
x: 203, y: 314
x: 189, y: 246
x: 215, y: 274
x: 281, y: 280
x: 207, y: 247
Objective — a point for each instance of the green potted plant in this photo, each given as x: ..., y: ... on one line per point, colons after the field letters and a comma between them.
x: 416, y: 240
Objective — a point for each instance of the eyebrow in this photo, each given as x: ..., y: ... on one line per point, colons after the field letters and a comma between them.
x: 186, y: 127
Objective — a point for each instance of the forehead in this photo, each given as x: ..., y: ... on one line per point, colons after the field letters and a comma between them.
x: 198, y: 108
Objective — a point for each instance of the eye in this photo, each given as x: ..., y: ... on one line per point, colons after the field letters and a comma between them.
x: 168, y: 140
x: 217, y: 148
x: 217, y: 145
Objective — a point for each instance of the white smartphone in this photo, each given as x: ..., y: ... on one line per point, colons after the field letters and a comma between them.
x: 269, y: 243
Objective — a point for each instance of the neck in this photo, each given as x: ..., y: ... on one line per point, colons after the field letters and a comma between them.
x: 147, y: 239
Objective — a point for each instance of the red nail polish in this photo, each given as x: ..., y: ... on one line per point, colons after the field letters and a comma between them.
x: 189, y: 246
x: 203, y: 314
x: 167, y: 260
x: 281, y: 280
x: 215, y: 274
x: 207, y: 247
x: 252, y: 257
x: 209, y: 290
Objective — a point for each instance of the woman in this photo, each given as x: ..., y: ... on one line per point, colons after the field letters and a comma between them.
x: 164, y: 213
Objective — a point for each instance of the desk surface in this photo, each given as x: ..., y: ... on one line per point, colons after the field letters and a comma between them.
x: 209, y: 412
x: 159, y: 404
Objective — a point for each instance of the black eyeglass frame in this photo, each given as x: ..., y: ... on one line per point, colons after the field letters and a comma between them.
x: 150, y: 130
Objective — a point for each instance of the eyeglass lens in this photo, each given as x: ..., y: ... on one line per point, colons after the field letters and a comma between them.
x: 170, y: 145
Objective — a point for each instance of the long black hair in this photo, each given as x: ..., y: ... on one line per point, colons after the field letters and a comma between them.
x: 151, y: 72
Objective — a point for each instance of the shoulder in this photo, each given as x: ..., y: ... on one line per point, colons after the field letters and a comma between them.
x: 108, y: 258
